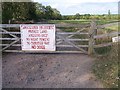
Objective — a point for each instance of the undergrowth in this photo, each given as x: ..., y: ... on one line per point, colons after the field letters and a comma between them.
x: 106, y: 68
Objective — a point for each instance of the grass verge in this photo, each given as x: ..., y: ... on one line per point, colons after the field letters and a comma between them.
x: 106, y: 68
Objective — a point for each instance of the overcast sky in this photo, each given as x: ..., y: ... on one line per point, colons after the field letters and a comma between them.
x: 71, y: 7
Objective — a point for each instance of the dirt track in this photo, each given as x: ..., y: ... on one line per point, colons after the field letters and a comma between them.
x: 48, y: 71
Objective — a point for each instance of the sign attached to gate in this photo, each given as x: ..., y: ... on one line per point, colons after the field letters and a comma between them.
x: 38, y: 37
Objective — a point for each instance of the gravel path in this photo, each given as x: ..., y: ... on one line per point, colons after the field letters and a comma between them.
x: 48, y: 71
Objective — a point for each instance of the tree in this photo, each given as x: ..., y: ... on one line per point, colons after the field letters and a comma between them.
x: 18, y: 11
x: 40, y: 11
x: 48, y: 13
x: 56, y: 14
x: 109, y: 14
x: 77, y: 16
x: 32, y: 11
x: 6, y: 12
x: 87, y: 16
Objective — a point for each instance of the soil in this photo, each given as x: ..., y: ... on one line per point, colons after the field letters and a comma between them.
x: 22, y: 70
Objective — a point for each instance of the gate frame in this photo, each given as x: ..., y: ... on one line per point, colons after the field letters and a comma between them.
x: 91, y: 33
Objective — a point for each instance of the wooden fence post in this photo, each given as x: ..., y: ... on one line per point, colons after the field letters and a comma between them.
x: 92, y: 32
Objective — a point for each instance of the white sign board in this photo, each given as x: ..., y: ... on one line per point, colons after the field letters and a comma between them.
x: 116, y: 39
x: 38, y: 37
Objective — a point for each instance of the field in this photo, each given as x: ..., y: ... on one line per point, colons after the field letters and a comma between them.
x: 102, y: 22
x: 113, y: 27
x: 82, y: 21
x: 70, y: 21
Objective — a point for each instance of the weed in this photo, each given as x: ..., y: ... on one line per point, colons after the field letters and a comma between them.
x: 106, y: 68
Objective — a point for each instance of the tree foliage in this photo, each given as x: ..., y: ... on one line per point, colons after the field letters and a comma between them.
x: 17, y: 11
x: 21, y: 11
x: 77, y: 16
x: 47, y: 12
x: 89, y: 16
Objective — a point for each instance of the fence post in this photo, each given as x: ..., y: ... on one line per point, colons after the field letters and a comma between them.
x: 92, y: 32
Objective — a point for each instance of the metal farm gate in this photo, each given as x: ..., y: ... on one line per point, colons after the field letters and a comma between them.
x: 80, y: 41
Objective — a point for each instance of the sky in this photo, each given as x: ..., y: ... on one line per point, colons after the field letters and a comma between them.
x: 71, y: 7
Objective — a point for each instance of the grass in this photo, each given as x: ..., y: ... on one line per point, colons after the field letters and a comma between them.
x: 104, y: 40
x: 81, y: 21
x: 106, y: 68
x: 112, y: 28
x: 69, y: 21
x: 101, y: 22
x: 103, y: 50
x: 68, y: 29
